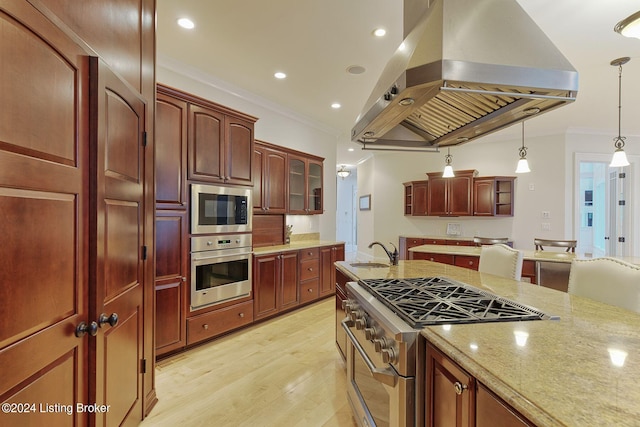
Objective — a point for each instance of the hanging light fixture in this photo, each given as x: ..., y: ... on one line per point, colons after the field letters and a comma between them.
x: 523, y: 164
x: 629, y: 27
x: 619, y: 157
x: 448, y: 170
x: 343, y: 172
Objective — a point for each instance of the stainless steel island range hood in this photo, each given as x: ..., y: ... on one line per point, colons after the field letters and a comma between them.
x: 466, y: 68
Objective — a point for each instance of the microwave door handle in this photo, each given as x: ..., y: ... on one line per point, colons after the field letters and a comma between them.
x: 384, y: 375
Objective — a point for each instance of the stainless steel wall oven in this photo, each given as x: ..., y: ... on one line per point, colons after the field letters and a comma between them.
x: 220, y: 269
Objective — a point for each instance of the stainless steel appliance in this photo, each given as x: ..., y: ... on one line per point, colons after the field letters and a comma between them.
x: 384, y: 317
x: 217, y: 209
x: 220, y: 269
x: 467, y: 68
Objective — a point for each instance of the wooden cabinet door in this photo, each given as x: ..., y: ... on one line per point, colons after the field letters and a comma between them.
x: 483, y: 197
x: 44, y: 206
x: 288, y: 290
x: 491, y: 411
x: 327, y: 271
x: 270, y: 179
x: 459, y: 195
x: 275, y: 181
x: 206, y: 137
x: 119, y: 251
x: 328, y: 256
x: 237, y: 151
x: 437, y: 193
x: 450, y: 392
x: 420, y: 198
x: 267, y: 279
x: 171, y: 152
x: 171, y: 276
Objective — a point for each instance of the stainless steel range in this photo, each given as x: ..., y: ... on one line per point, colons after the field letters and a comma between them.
x: 384, y: 317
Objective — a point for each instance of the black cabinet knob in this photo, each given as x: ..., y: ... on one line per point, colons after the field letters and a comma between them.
x: 83, y: 328
x: 111, y: 320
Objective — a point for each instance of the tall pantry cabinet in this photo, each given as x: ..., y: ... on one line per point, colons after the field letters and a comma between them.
x: 76, y: 202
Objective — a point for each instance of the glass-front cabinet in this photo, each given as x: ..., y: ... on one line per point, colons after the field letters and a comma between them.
x: 305, y: 185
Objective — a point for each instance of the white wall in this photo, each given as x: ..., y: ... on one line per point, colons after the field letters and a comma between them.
x: 552, y: 179
x: 274, y: 125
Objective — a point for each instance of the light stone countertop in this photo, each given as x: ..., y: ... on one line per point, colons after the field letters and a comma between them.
x: 548, y: 256
x: 566, y: 374
x: 294, y: 246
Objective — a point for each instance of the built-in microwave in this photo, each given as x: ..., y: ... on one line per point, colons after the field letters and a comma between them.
x: 217, y: 209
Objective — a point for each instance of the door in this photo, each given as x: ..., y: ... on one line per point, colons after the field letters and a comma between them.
x: 118, y: 255
x: 44, y: 199
x: 604, y: 221
x: 206, y: 136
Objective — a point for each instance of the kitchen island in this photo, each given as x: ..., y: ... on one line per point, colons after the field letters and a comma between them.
x: 579, y: 370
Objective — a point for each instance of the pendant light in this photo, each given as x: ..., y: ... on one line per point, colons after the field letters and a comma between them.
x: 343, y: 172
x: 629, y: 27
x: 523, y: 164
x: 448, y: 170
x: 619, y: 157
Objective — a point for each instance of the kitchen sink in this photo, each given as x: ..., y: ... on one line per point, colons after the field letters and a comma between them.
x: 369, y: 265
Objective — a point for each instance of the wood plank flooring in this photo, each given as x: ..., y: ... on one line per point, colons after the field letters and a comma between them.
x: 282, y: 372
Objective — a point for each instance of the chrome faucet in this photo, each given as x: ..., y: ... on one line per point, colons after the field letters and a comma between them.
x: 393, y: 256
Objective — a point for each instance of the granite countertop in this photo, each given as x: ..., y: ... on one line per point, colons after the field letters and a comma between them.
x: 294, y: 246
x: 550, y: 256
x: 568, y: 372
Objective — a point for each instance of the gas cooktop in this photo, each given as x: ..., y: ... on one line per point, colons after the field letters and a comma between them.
x: 436, y: 300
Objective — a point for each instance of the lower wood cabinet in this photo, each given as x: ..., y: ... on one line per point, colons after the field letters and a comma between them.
x: 442, y: 258
x: 328, y: 280
x: 465, y: 261
x: 275, y: 283
x: 217, y: 322
x: 453, y: 397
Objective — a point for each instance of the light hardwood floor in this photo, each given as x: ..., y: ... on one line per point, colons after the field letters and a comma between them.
x: 282, y: 372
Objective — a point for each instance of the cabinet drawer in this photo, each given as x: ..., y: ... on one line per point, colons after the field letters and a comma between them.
x: 309, y: 290
x: 214, y: 323
x: 467, y: 261
x: 309, y: 253
x: 462, y: 242
x: 434, y: 242
x: 415, y: 242
x: 309, y: 269
x: 443, y: 258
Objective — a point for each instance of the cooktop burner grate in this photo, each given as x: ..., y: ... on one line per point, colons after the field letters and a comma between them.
x: 436, y: 300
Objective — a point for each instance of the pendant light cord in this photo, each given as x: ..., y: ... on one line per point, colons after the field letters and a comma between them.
x: 523, y: 149
x: 618, y: 141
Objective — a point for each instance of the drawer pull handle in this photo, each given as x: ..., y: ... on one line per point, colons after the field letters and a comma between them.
x: 241, y: 314
x: 310, y: 269
x: 470, y: 262
x: 205, y: 326
x: 459, y: 387
x: 310, y: 290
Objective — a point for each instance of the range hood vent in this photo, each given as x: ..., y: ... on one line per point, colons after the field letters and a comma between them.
x: 466, y: 68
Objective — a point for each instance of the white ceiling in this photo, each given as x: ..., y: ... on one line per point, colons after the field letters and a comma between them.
x: 244, y: 42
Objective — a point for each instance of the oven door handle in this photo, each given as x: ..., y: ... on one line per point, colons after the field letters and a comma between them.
x: 384, y: 375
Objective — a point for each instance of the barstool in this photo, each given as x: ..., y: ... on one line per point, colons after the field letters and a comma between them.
x: 479, y: 241
x: 569, y: 244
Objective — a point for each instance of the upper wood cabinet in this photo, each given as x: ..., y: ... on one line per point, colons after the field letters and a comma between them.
x: 220, y: 146
x: 171, y: 151
x: 305, y: 184
x: 493, y: 196
x: 450, y: 196
x: 415, y: 198
x: 269, y: 179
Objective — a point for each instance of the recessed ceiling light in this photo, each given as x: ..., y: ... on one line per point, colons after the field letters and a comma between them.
x: 379, y: 32
x: 186, y: 23
x: 355, y: 69
x: 336, y: 105
x: 280, y: 75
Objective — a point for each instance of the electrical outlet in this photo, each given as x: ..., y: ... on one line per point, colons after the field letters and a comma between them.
x: 546, y: 214
x: 546, y: 226
x: 532, y: 187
